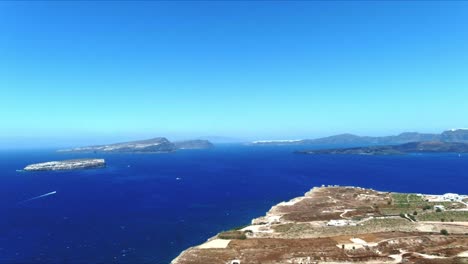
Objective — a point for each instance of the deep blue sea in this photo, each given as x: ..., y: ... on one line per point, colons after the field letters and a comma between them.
x: 147, y: 208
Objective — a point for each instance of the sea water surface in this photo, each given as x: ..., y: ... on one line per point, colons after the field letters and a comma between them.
x: 147, y: 208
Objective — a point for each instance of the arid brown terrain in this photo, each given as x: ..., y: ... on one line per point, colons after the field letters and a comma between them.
x: 346, y: 225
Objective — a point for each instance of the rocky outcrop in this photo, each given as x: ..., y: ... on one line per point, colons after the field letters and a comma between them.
x: 75, y: 164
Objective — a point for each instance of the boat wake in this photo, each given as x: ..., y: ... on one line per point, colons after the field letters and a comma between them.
x: 38, y: 197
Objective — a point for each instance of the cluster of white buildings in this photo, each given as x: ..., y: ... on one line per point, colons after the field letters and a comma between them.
x: 341, y: 222
x: 453, y: 197
x: 448, y: 197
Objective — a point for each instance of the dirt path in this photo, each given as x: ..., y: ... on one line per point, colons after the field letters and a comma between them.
x: 345, y: 211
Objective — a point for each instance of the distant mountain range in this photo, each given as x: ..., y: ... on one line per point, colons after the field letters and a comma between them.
x: 454, y: 135
x: 413, y: 147
x: 154, y: 145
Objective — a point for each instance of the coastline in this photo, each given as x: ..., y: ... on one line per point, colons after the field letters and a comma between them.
x: 289, y: 224
x: 291, y: 201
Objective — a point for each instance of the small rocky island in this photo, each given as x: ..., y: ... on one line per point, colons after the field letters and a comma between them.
x: 74, y: 164
x: 414, y: 147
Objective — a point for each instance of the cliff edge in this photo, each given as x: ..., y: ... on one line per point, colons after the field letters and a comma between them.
x: 346, y: 224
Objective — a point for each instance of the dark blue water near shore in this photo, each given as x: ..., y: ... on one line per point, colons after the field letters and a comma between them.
x: 146, y: 208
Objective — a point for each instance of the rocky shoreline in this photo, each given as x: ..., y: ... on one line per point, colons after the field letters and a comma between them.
x: 345, y: 224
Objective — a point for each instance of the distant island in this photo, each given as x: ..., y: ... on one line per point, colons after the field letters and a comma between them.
x: 155, y: 145
x: 413, y: 147
x: 74, y: 164
x: 453, y: 135
x: 193, y: 144
x: 339, y: 225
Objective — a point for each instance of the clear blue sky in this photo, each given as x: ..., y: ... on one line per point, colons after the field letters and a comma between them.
x: 89, y: 71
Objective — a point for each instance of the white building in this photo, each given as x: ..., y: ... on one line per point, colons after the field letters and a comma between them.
x: 340, y: 223
x: 451, y: 197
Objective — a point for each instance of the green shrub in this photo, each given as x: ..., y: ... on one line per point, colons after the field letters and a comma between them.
x: 240, y: 227
x: 232, y: 235
x: 444, y: 232
x: 427, y: 207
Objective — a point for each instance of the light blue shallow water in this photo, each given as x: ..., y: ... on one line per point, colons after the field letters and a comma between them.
x: 146, y: 208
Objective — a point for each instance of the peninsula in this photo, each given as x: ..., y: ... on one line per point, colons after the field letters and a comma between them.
x: 74, y: 164
x: 337, y: 225
x: 414, y: 147
x: 154, y: 145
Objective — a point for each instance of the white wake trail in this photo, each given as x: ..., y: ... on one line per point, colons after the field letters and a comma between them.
x: 40, y: 196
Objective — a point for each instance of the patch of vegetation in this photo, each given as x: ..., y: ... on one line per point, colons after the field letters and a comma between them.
x: 406, y: 216
x: 395, y: 211
x: 402, y: 200
x: 382, y: 222
x: 283, y: 228
x: 444, y: 232
x: 373, y: 225
x: 452, y: 215
x: 427, y: 207
x: 239, y: 227
x: 232, y: 235
x: 411, y: 203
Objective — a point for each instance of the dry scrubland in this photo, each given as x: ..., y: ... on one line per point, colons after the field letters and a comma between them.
x: 343, y: 225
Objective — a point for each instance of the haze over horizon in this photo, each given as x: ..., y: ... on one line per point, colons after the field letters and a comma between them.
x: 96, y: 72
